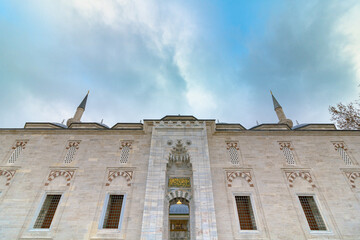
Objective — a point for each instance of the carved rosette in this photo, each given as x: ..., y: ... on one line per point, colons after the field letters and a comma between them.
x: 231, y: 175
x: 66, y: 173
x: 338, y: 145
x: 352, y: 176
x: 20, y: 143
x: 292, y: 175
x: 285, y: 145
x: 73, y: 144
x: 125, y: 144
x: 9, y: 174
x: 112, y: 174
x: 232, y: 145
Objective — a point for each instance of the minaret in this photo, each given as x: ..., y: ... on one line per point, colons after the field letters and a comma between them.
x: 79, y: 112
x: 280, y: 113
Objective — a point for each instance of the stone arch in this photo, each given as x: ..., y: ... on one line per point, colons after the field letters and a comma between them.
x: 291, y: 176
x: 68, y: 174
x: 116, y: 173
x: 178, y: 194
x: 231, y: 175
x: 352, y: 176
x: 9, y: 174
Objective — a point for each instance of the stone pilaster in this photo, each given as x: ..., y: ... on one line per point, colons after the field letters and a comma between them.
x: 203, y: 221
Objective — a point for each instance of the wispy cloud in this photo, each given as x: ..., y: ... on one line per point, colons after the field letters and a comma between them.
x: 145, y: 59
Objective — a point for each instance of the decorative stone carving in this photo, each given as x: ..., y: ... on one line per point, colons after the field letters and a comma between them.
x: 125, y: 144
x: 292, y: 175
x: 20, y: 143
x: 72, y: 147
x: 232, y: 145
x: 179, y: 156
x: 17, y: 148
x: 287, y: 149
x: 232, y: 174
x: 179, y: 182
x: 338, y: 145
x: 9, y: 174
x: 341, y: 148
x: 114, y: 173
x: 179, y: 194
x: 68, y: 174
x: 179, y: 124
x: 285, y: 145
x: 74, y: 144
x: 352, y: 175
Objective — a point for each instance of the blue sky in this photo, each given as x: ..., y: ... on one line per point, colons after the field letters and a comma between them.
x: 147, y: 59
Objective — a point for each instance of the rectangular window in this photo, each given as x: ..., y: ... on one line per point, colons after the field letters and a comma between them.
x: 344, y: 156
x: 245, y: 213
x: 124, y: 154
x: 312, y: 213
x: 47, y: 211
x: 289, y: 156
x: 113, y: 211
x: 15, y: 154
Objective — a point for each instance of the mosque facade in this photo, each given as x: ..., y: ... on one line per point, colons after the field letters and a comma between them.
x: 179, y: 177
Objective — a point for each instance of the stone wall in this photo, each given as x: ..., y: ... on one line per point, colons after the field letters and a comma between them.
x: 261, y: 172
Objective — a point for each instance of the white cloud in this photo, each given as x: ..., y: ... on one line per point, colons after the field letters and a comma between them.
x: 201, y: 101
x: 348, y: 25
x: 164, y: 26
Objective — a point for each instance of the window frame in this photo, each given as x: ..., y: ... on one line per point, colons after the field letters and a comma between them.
x: 252, y: 201
x: 321, y: 211
x: 37, y: 212
x: 104, y: 209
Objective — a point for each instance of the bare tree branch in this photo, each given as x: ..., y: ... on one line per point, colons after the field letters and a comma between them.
x: 346, y: 116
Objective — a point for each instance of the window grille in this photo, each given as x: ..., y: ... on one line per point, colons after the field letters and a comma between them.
x: 289, y: 156
x: 234, y: 156
x: 245, y: 213
x: 70, y: 154
x: 124, y: 154
x: 312, y: 213
x: 344, y: 156
x: 113, y: 211
x: 47, y: 211
x: 15, y: 154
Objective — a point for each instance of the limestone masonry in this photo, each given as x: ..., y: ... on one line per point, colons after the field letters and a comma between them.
x: 179, y: 177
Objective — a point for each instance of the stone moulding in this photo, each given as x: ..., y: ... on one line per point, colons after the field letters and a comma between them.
x: 304, y: 174
x: 285, y: 145
x: 232, y: 174
x: 352, y: 175
x: 178, y: 194
x: 180, y: 124
x: 68, y: 174
x: 74, y: 144
x: 20, y: 143
x: 126, y: 143
x: 231, y: 144
x: 338, y: 145
x: 9, y: 174
x: 114, y: 173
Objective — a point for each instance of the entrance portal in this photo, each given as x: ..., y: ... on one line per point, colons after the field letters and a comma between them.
x: 179, y: 220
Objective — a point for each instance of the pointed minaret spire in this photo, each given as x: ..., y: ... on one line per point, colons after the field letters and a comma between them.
x: 83, y: 103
x: 280, y: 113
x: 275, y: 102
x: 79, y: 112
